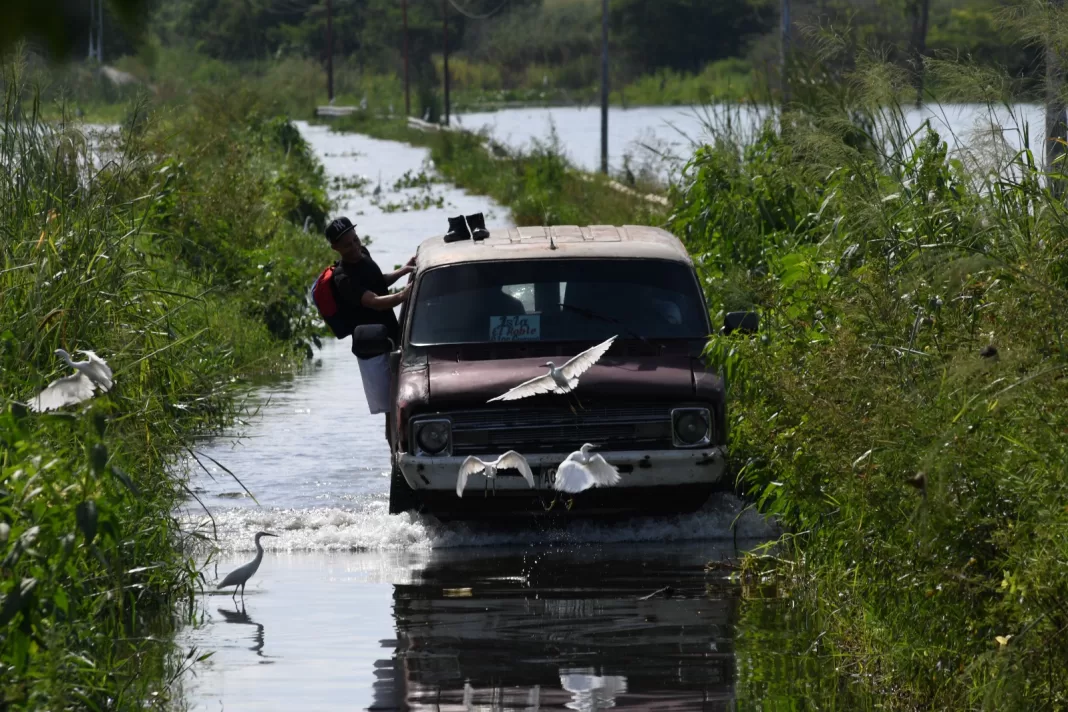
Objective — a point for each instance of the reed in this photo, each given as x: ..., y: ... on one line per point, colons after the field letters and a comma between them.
x: 171, y: 248
x: 901, y: 409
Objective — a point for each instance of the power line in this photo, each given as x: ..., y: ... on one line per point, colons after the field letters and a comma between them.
x: 472, y: 16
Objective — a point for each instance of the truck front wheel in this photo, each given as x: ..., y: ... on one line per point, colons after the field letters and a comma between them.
x: 401, y: 496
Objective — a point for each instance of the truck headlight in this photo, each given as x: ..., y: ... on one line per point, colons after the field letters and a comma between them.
x: 690, y: 427
x: 433, y: 437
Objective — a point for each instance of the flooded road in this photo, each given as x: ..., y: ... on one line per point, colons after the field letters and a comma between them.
x: 353, y: 608
x: 664, y: 137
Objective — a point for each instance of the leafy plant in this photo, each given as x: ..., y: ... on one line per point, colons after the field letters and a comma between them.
x: 900, y: 412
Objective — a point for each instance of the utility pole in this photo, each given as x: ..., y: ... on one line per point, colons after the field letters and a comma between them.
x: 922, y: 11
x: 407, y: 100
x: 604, y: 87
x: 445, y: 35
x: 329, y: 50
x: 1056, y: 128
x: 92, y: 27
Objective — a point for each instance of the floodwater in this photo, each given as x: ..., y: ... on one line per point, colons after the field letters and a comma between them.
x: 657, y: 137
x: 353, y: 608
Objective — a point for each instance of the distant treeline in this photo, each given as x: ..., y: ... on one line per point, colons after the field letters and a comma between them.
x: 525, y: 42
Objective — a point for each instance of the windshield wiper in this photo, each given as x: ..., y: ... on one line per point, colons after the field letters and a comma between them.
x: 589, y: 314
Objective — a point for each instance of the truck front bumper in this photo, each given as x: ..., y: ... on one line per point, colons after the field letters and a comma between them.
x: 651, y: 482
x: 637, y: 469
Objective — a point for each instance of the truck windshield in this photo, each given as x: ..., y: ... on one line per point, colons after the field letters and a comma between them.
x: 557, y: 300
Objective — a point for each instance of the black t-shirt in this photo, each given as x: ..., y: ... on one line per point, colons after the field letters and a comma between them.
x: 351, y: 280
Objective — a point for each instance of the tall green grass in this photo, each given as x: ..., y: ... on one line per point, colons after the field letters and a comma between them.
x: 923, y: 479
x: 172, y: 250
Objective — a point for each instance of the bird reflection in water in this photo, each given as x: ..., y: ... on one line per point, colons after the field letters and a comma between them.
x: 242, y: 618
x: 591, y: 692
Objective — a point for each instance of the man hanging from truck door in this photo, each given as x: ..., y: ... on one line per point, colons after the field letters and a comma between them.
x: 363, y: 297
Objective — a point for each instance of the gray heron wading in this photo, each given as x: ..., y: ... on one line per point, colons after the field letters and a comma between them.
x: 240, y: 576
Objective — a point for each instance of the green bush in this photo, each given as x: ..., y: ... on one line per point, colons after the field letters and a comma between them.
x: 885, y: 270
x: 180, y: 261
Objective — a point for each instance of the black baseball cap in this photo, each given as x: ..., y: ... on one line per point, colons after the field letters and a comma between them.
x: 336, y: 229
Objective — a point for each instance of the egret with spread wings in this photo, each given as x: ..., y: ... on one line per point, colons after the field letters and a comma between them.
x: 558, y: 380
x: 583, y: 470
x: 95, y: 368
x: 509, y: 460
x: 78, y: 386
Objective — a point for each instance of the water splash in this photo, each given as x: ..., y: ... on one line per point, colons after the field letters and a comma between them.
x: 366, y: 525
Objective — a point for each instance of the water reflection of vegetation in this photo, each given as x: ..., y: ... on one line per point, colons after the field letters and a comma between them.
x: 181, y: 261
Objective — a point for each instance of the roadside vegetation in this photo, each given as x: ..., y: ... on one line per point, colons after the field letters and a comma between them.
x: 902, y: 409
x: 174, y: 249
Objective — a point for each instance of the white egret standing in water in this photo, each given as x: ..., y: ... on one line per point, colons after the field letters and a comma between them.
x: 79, y: 386
x: 474, y: 466
x: 240, y: 576
x: 583, y: 470
x: 558, y: 380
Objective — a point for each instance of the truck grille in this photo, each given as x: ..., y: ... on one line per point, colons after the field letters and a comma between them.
x: 530, y: 430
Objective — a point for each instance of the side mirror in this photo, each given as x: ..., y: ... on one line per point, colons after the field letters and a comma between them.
x: 748, y: 322
x: 370, y: 340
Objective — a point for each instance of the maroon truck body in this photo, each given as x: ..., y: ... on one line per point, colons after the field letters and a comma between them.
x: 628, y: 404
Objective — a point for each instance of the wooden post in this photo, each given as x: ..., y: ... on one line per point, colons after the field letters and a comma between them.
x: 784, y: 50
x: 1056, y: 128
x: 407, y: 99
x: 604, y: 87
x: 329, y: 50
x: 445, y: 39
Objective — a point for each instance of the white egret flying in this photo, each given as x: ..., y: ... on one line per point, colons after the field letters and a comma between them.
x: 558, y: 380
x: 79, y: 386
x: 240, y: 576
x: 474, y: 466
x: 582, y: 470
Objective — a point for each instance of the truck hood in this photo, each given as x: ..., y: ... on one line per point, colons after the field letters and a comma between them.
x: 455, y: 383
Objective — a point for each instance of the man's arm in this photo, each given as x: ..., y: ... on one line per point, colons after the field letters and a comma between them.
x: 373, y: 301
x: 397, y: 274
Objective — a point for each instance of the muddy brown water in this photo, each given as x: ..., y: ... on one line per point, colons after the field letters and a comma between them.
x: 354, y: 609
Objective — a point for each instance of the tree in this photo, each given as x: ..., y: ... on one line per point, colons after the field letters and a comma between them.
x: 61, y: 25
x: 687, y: 34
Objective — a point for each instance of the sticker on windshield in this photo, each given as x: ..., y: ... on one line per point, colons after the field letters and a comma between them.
x: 526, y: 327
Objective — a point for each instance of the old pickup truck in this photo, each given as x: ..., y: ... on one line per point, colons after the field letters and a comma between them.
x: 485, y: 315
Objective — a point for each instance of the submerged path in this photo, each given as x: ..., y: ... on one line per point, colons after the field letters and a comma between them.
x: 353, y: 608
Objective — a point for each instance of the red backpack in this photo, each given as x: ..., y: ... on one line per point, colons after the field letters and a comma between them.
x: 326, y: 302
